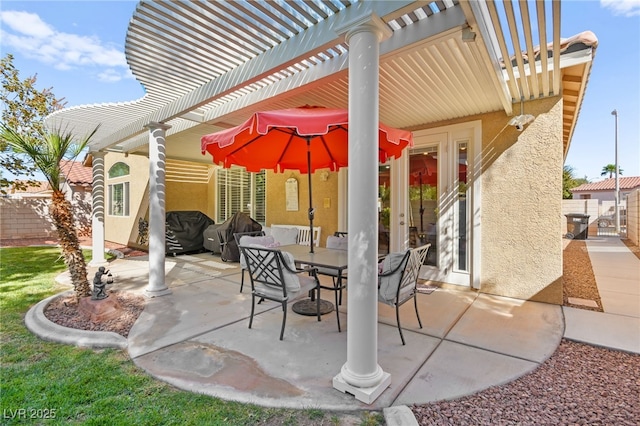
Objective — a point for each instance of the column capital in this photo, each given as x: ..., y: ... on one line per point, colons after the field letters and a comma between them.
x: 153, y: 125
x: 97, y: 154
x: 368, y: 22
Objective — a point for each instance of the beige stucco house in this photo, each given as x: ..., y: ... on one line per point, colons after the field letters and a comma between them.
x: 495, y: 131
x: 441, y: 75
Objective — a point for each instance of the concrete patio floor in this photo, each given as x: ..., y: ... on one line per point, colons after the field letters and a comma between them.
x: 197, y: 338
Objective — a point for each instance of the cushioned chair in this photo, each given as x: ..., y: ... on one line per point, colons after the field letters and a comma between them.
x: 274, y: 277
x: 336, y: 242
x: 398, y: 279
x: 249, y: 241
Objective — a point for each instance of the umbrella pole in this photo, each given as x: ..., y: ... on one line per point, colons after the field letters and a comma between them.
x: 311, y: 209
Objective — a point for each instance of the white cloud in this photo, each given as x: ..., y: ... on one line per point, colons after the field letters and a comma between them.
x: 28, y: 24
x: 626, y: 8
x: 110, y: 75
x: 37, y: 40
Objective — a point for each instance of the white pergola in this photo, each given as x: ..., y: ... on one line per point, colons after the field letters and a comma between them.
x: 206, y: 66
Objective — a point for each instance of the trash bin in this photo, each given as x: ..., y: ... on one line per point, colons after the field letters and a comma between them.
x: 577, y: 226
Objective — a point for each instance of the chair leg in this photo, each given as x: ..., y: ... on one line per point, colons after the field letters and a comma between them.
x: 284, y: 319
x: 339, y: 283
x: 242, y: 281
x: 398, y: 321
x: 253, y: 306
x: 415, y: 303
x: 335, y: 293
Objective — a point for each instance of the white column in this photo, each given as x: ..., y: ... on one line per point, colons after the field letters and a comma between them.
x: 157, y: 218
x: 97, y: 210
x: 361, y: 375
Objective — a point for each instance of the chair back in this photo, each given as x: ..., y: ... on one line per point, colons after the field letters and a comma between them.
x: 398, y: 284
x: 304, y: 236
x: 335, y: 242
x: 268, y: 267
x: 414, y: 263
x: 238, y: 235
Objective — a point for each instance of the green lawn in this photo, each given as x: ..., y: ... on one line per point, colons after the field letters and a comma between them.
x: 82, y: 386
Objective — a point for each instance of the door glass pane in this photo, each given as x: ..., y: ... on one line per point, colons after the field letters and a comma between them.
x: 462, y: 210
x: 423, y: 199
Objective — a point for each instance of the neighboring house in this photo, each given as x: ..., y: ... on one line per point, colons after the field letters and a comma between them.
x: 25, y: 212
x: 497, y: 132
x: 604, y: 193
x: 605, y: 189
x: 40, y: 190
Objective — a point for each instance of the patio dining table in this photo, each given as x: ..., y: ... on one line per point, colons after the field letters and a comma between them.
x: 321, y: 257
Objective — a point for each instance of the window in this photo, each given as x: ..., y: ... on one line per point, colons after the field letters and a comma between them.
x: 118, y: 170
x: 119, y: 192
x: 240, y: 191
x: 119, y: 199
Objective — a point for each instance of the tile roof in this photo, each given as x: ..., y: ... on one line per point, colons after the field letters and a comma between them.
x: 42, y: 186
x: 75, y: 173
x: 609, y: 184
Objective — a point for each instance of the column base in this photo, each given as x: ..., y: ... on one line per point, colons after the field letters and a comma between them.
x: 366, y: 395
x: 95, y: 263
x: 156, y: 293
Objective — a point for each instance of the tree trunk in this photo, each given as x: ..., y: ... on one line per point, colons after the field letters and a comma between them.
x: 62, y: 215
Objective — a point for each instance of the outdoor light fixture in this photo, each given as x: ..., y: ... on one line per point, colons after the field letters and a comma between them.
x: 468, y: 36
x: 519, y: 121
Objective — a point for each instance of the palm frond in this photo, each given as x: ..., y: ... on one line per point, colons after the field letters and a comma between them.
x: 47, y: 151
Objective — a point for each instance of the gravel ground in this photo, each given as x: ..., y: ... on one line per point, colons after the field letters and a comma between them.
x: 578, y: 385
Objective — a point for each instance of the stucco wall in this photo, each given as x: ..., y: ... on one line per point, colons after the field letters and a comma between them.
x: 326, y: 215
x: 521, y: 213
x: 521, y: 205
x: 189, y: 196
x: 119, y: 229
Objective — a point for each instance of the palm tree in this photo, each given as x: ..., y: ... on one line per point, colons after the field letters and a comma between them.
x: 46, y: 152
x: 610, y: 169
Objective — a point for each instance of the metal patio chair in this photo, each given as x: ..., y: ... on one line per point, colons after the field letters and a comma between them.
x: 397, y: 285
x: 275, y: 277
x: 338, y: 241
x: 243, y: 265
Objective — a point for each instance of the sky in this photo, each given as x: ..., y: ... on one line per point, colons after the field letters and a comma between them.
x: 76, y: 48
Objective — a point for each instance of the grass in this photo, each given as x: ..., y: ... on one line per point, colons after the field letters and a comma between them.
x: 73, y: 385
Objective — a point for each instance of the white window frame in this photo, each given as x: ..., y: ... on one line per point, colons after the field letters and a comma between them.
x: 239, y: 190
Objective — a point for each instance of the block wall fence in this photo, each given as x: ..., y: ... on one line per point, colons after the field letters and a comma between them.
x: 29, y: 218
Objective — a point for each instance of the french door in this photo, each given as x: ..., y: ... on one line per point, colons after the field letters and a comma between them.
x: 441, y: 198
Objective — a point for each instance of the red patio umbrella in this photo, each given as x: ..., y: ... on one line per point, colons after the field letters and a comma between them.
x: 425, y: 169
x: 305, y: 139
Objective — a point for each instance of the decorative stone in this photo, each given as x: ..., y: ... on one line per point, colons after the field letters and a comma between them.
x: 100, y: 310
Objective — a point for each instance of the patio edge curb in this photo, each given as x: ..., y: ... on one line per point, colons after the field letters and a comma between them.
x: 399, y: 415
x: 39, y: 324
